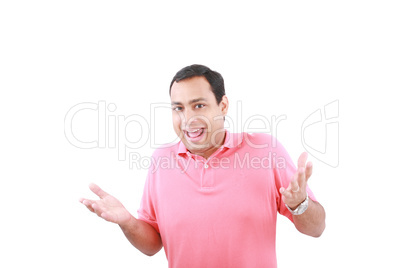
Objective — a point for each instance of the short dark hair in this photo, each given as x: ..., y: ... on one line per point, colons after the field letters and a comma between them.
x: 214, y: 79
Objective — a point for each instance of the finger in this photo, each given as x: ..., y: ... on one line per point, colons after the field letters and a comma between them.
x: 286, y: 193
x: 97, y: 209
x: 301, y: 177
x: 107, y: 216
x: 97, y: 190
x: 292, y: 180
x: 294, y: 186
x: 102, y: 213
x: 309, y: 170
x: 302, y: 160
x: 87, y: 203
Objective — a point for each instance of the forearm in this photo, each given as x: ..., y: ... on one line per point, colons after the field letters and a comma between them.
x: 312, y: 221
x: 142, y: 236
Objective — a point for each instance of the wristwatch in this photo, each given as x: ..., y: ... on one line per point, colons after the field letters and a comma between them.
x: 300, y: 209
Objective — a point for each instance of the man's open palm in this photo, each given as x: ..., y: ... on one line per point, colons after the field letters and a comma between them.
x: 107, y: 207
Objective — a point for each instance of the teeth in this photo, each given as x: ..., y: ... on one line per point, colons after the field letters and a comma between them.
x: 194, y: 130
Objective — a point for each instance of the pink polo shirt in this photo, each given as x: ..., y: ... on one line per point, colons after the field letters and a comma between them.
x: 219, y: 212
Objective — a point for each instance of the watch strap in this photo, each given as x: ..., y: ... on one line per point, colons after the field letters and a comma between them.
x: 301, y: 208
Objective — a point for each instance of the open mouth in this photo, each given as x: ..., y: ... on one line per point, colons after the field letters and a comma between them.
x: 194, y: 135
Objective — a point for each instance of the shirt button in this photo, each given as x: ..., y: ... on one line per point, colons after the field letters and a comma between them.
x: 206, y: 166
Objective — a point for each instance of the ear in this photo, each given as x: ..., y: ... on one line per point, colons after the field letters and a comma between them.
x: 224, y: 105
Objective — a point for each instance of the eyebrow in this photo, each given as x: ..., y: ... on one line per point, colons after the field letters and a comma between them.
x: 190, y: 102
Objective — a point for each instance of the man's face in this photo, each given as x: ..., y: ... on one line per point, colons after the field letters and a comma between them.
x: 197, y: 119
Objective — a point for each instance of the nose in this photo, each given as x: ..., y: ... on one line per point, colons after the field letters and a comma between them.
x: 187, y: 117
x: 191, y: 118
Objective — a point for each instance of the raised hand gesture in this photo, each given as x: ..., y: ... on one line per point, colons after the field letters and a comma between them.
x: 107, y: 207
x: 296, y: 192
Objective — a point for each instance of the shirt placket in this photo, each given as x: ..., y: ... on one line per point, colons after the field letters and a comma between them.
x: 207, y: 175
x: 204, y: 170
x: 202, y: 166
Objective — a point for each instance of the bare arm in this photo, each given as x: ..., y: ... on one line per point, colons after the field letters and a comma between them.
x: 312, y: 221
x: 140, y: 234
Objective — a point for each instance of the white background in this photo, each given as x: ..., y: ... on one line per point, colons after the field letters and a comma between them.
x: 278, y: 58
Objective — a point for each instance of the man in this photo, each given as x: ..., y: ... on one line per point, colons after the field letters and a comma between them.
x: 216, y: 205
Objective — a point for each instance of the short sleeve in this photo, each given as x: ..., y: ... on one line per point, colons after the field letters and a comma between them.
x: 147, y: 212
x: 284, y: 169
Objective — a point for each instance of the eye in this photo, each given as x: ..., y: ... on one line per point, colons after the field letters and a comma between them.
x: 177, y: 108
x: 198, y: 106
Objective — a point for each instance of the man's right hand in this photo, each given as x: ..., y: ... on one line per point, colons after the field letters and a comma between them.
x: 108, y: 207
x: 140, y: 234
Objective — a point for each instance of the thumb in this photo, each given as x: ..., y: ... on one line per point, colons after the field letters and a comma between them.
x: 97, y: 190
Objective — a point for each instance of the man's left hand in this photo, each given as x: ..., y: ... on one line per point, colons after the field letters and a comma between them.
x: 296, y: 192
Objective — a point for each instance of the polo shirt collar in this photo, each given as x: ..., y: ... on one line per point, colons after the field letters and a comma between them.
x: 232, y: 140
